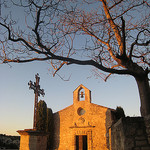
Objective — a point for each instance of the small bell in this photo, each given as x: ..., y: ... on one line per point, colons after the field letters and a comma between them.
x: 82, y: 94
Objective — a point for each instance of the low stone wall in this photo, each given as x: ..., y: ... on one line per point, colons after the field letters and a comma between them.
x: 32, y: 140
x: 130, y: 133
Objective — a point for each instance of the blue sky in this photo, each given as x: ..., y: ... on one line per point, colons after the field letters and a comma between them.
x: 17, y: 101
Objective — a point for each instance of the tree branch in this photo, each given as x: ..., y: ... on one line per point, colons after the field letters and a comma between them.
x: 28, y: 45
x: 103, y: 42
x: 92, y: 63
x: 20, y: 40
x: 138, y: 44
x: 53, y: 56
x: 115, y: 4
x: 26, y: 60
x: 128, y: 10
x: 123, y: 37
x: 57, y: 68
x: 110, y: 73
x: 143, y: 59
x: 93, y: 35
x: 113, y: 26
x: 38, y: 39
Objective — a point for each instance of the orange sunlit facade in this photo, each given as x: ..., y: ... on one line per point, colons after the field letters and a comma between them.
x: 83, y: 125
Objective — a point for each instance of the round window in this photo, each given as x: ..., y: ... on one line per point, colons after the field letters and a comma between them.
x: 80, y: 111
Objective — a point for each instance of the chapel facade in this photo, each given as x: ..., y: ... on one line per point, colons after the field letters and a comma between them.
x: 83, y: 125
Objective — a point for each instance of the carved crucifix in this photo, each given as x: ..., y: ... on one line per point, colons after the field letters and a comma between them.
x: 37, y: 92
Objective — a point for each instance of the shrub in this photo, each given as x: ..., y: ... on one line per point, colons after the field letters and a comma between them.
x: 119, y: 112
x: 41, y: 116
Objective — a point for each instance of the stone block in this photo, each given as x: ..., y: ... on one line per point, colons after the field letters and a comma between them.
x: 141, y: 143
x: 149, y: 140
x: 129, y: 142
x: 130, y: 131
x: 137, y: 148
x: 145, y: 148
x: 140, y: 138
x: 140, y: 132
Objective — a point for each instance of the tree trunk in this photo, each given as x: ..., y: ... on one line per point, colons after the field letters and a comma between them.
x: 144, y: 91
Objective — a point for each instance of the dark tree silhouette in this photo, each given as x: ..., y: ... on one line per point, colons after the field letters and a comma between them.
x: 119, y: 112
x: 49, y: 127
x: 49, y: 120
x: 116, y: 32
x: 41, y: 116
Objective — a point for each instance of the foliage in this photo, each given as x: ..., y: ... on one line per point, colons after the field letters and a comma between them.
x: 49, y: 128
x: 9, y: 142
x: 119, y: 112
x: 49, y: 119
x: 45, y: 121
x: 41, y: 116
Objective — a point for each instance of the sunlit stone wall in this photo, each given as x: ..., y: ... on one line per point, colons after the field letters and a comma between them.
x: 32, y: 140
x: 82, y: 118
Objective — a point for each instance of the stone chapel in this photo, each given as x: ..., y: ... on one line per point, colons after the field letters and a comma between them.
x: 83, y: 125
x: 88, y: 126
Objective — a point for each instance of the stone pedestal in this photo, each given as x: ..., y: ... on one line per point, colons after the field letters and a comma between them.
x: 32, y: 140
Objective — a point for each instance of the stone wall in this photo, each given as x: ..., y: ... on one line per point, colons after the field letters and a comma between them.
x: 130, y: 134
x: 32, y: 140
x: 147, y: 124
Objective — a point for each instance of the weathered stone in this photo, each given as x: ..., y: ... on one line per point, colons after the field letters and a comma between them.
x: 32, y: 140
x: 83, y: 118
x: 140, y: 132
x: 136, y: 148
x: 129, y: 142
x: 149, y: 140
x: 141, y: 143
x: 145, y: 148
x: 140, y: 138
x: 129, y: 133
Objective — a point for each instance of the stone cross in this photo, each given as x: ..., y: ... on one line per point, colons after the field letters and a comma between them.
x: 37, y: 92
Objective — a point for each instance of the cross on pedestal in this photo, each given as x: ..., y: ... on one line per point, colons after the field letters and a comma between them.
x: 37, y: 92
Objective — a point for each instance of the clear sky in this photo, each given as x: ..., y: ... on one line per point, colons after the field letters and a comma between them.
x: 17, y: 101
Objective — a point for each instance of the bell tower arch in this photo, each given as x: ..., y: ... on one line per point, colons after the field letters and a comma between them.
x: 81, y: 93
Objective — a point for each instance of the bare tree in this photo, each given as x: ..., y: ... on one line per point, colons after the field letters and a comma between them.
x: 116, y: 32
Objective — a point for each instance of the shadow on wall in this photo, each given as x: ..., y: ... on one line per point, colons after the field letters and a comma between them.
x: 110, y: 119
x: 37, y: 141
x: 56, y: 127
x: 129, y: 133
x: 33, y: 142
